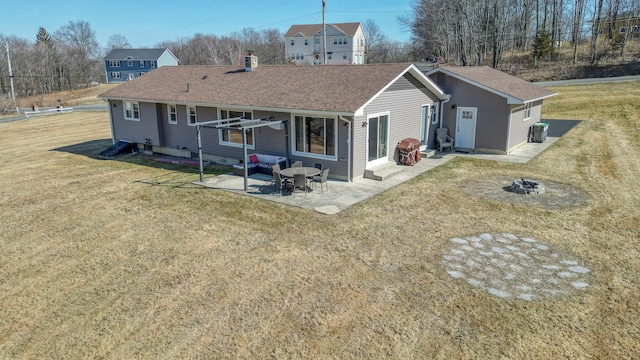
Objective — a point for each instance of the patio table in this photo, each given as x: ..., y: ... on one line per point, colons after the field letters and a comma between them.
x: 308, y: 171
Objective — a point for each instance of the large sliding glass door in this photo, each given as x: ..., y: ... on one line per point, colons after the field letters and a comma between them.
x: 377, y: 139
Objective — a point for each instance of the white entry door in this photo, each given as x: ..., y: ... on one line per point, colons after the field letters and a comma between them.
x: 424, y: 124
x: 466, y: 127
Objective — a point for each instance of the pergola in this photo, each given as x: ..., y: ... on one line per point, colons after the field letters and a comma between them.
x: 243, y: 125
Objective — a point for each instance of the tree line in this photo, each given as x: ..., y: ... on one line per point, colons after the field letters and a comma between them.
x: 71, y: 57
x: 474, y: 32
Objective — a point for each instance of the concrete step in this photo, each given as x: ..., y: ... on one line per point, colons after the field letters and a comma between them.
x: 383, y: 172
x: 427, y: 153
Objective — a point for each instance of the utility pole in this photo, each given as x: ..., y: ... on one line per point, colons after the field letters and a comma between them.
x: 324, y: 30
x: 13, y: 92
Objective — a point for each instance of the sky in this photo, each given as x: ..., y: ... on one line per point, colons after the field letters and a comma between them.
x: 147, y: 23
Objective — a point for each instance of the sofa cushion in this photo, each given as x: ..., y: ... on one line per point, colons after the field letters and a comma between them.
x: 253, y: 158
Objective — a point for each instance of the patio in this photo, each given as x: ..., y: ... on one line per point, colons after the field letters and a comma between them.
x: 340, y: 196
x: 343, y: 194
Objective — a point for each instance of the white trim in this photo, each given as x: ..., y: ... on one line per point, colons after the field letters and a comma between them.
x: 511, y: 100
x: 175, y: 107
x: 135, y: 107
x: 459, y: 111
x: 311, y: 155
x: 381, y: 160
x: 195, y: 113
x: 528, y: 107
x: 221, y: 122
x: 419, y: 75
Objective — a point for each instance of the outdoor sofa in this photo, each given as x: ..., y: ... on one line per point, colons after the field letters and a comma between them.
x: 260, y: 163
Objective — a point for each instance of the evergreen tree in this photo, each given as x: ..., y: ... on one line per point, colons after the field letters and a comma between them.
x: 542, y: 45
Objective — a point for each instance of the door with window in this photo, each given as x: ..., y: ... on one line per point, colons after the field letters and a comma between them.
x: 377, y: 140
x: 424, y: 124
x: 466, y: 127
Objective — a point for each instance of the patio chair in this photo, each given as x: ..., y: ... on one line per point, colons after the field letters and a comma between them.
x: 300, y: 182
x: 318, y: 166
x: 444, y: 141
x: 279, y: 183
x: 297, y: 164
x: 322, y: 179
x: 275, y: 167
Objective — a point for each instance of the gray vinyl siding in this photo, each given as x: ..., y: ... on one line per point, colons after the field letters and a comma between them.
x: 403, y: 100
x: 493, y: 113
x: 135, y: 131
x: 519, y: 127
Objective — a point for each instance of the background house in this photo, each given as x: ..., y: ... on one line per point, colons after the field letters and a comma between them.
x: 304, y: 44
x: 488, y: 111
x: 349, y: 118
x: 624, y: 24
x: 122, y: 65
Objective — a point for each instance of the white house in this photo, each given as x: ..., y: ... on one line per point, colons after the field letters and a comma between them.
x: 304, y: 44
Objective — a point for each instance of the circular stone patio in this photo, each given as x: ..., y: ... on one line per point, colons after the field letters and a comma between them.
x: 556, y: 196
x: 509, y: 266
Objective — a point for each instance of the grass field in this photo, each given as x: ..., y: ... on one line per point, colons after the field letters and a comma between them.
x: 98, y: 260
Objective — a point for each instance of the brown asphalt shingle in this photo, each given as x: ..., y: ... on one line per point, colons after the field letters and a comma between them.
x: 336, y: 88
x: 501, y: 82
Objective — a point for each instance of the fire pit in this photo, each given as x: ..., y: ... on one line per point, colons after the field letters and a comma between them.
x: 524, y: 186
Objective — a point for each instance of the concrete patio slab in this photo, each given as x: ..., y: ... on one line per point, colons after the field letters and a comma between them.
x: 343, y: 194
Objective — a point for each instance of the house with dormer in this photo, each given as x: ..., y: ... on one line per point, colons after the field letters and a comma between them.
x: 345, y: 44
x: 122, y: 65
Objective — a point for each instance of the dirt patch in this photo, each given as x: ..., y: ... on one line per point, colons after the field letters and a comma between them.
x: 556, y: 196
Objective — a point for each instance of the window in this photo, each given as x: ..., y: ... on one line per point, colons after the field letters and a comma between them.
x: 316, y: 41
x: 172, y: 110
x: 152, y: 63
x: 636, y: 29
x: 231, y: 137
x: 315, y: 135
x: 306, y: 42
x: 623, y: 29
x: 527, y: 111
x: 297, y: 56
x: 115, y: 75
x: 114, y: 63
x: 344, y: 55
x: 142, y: 63
x: 293, y: 42
x: 335, y: 41
x: 329, y: 56
x: 131, y: 111
x: 344, y: 41
x: 129, y: 63
x: 142, y: 73
x: 192, y: 117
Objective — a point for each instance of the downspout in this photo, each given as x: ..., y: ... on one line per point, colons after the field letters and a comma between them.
x: 348, y: 146
x: 442, y: 109
x: 113, y: 131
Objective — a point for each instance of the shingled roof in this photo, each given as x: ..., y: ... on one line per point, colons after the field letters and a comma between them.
x: 349, y: 29
x: 516, y: 90
x: 135, y: 54
x: 336, y: 88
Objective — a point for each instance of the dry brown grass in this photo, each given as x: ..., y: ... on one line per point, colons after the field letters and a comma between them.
x: 84, y: 96
x: 97, y: 262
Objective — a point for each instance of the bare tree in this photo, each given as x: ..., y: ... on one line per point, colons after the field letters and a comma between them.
x: 117, y: 41
x: 79, y: 43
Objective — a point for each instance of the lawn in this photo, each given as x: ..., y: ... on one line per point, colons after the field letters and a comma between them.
x: 100, y: 259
